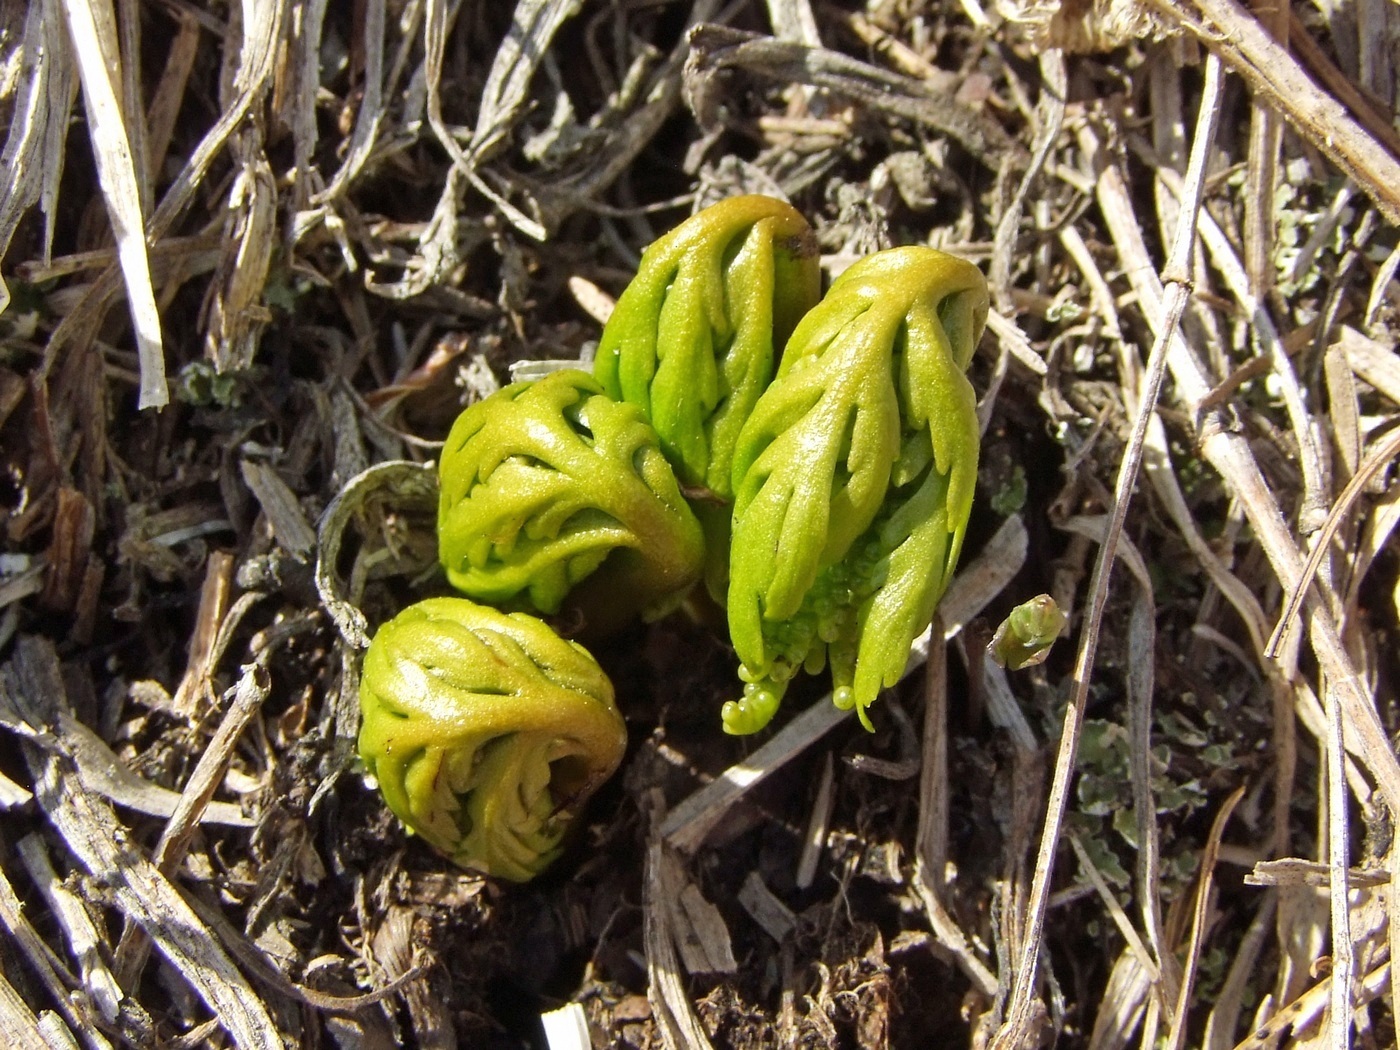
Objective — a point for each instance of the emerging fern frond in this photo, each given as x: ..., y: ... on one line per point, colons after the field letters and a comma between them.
x: 853, y: 481
x: 546, y: 482
x: 486, y: 731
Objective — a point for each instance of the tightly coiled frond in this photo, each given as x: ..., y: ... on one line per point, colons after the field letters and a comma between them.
x: 543, y: 481
x: 486, y: 731
x: 853, y: 481
x: 693, y: 338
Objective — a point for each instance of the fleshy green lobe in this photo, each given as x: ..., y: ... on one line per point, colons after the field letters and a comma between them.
x: 486, y: 731
x: 694, y: 336
x: 545, y: 482
x: 853, y: 481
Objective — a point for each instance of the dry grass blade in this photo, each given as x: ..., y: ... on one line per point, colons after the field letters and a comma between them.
x: 1015, y: 1029
x: 253, y: 67
x: 1265, y: 139
x: 93, y: 835
x: 1243, y: 972
x: 680, y: 1028
x: 1372, y: 361
x: 371, y: 112
x: 1222, y: 254
x: 793, y: 20
x: 102, y: 772
x: 407, y: 483
x: 1304, y: 1011
x: 1123, y: 1004
x: 33, y: 155
x: 504, y: 97
x: 686, y: 826
x: 717, y: 48
x: 84, y: 941
x: 252, y: 689
x: 931, y: 841
x: 1230, y: 454
x: 1393, y: 917
x: 533, y: 25
x: 815, y: 840
x: 19, y: 1028
x: 1050, y: 115
x: 1237, y: 37
x: 1115, y: 910
x: 79, y: 1014
x: 1162, y: 474
x: 1015, y: 341
x: 90, y: 24
x: 237, y: 312
x: 12, y: 796
x: 1142, y: 655
x: 90, y: 831
x: 1380, y: 456
x: 1339, y: 884
x: 280, y: 505
x: 1199, y: 914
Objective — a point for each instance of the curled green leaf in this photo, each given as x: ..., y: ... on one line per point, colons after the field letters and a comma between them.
x: 853, y: 481
x: 693, y: 338
x: 547, y: 482
x: 486, y: 731
x: 1024, y: 638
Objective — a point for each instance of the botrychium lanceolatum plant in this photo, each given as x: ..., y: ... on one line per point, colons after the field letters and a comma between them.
x: 545, y: 483
x: 853, y: 482
x: 486, y: 731
x: 813, y: 458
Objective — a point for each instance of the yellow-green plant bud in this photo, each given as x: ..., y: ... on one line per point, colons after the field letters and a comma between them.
x: 694, y: 336
x: 486, y: 731
x: 546, y: 482
x: 1024, y: 638
x: 853, y: 481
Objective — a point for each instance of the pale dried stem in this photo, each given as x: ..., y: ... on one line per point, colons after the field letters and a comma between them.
x: 1237, y: 37
x: 931, y: 841
x: 817, y: 824
x: 1018, y: 1014
x: 1305, y: 432
x: 1338, y: 852
x: 1115, y: 910
x: 680, y: 1028
x: 1380, y: 456
x: 1241, y: 977
x: 1142, y: 645
x: 78, y: 1014
x: 88, y: 826
x: 252, y: 689
x: 91, y: 25
x: 1230, y: 455
x: 84, y: 939
x: 1300, y: 1014
x: 1199, y: 915
x: 1050, y: 115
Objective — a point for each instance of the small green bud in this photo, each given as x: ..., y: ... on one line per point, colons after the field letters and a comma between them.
x: 486, y: 731
x: 546, y: 482
x: 1024, y: 638
x: 854, y: 475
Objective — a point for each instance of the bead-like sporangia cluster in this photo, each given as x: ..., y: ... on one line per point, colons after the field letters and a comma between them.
x: 813, y: 459
x: 853, y: 481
